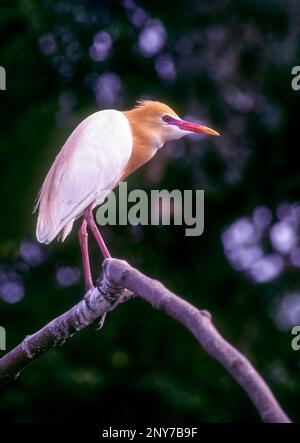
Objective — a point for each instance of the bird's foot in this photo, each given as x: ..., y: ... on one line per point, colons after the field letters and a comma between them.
x: 101, y: 321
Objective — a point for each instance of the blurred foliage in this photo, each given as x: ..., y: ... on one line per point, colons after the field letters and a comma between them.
x: 226, y: 63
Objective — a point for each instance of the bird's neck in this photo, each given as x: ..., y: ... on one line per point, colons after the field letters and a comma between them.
x: 145, y: 142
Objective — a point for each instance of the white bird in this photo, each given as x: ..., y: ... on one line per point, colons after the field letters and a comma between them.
x: 101, y: 152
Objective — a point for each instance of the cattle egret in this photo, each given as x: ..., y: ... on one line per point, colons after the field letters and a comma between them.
x: 102, y: 151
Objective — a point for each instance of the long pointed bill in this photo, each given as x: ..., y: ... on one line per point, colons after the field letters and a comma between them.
x: 195, y: 127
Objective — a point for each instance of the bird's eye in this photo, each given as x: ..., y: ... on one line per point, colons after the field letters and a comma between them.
x: 167, y: 118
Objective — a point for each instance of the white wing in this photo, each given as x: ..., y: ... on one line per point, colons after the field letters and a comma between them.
x: 86, y: 169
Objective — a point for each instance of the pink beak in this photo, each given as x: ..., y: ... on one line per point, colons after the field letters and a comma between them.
x: 195, y: 127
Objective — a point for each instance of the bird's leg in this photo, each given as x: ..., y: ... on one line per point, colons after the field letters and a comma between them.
x: 83, y: 240
x: 88, y: 215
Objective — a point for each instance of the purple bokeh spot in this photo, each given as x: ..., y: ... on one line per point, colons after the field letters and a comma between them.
x: 283, y: 210
x: 47, y: 43
x: 139, y: 17
x: 239, y: 100
x: 242, y: 259
x: 239, y: 233
x: 216, y: 34
x: 267, y: 268
x: 31, y: 253
x: 107, y: 88
x: 247, y: 242
x: 152, y: 38
x: 283, y: 237
x: 262, y: 217
x: 67, y: 100
x: 67, y: 276
x: 165, y: 67
x: 65, y: 69
x: 288, y: 311
x: 289, y: 212
x: 295, y: 257
x: 101, y: 46
x: 129, y: 4
x: 12, y: 291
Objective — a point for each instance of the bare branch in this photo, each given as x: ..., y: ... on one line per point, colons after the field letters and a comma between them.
x: 96, y: 303
x: 118, y: 274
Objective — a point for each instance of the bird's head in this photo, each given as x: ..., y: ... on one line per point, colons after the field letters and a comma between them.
x: 163, y: 123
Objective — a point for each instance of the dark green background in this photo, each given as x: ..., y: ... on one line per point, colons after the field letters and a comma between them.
x: 233, y: 62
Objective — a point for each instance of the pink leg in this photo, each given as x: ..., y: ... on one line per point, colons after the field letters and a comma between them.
x: 88, y: 215
x: 83, y: 240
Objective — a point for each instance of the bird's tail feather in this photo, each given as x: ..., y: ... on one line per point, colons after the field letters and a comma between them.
x: 47, y: 229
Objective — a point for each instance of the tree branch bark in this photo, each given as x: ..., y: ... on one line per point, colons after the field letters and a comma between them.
x: 118, y: 283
